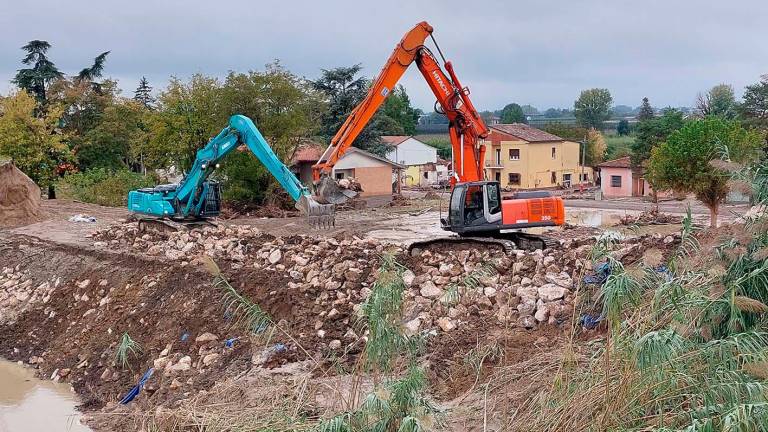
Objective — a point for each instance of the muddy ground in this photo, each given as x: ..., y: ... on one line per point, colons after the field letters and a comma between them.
x: 68, y: 291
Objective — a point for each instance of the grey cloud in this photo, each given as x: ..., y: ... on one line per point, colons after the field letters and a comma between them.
x: 542, y: 53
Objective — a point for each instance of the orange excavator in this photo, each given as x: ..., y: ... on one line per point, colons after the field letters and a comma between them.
x: 477, y: 211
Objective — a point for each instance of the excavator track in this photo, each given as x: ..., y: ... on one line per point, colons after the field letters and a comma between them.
x: 169, y: 226
x: 509, y: 242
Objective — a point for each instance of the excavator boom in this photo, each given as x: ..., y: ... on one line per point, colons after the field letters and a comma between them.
x: 196, y: 198
x: 466, y: 127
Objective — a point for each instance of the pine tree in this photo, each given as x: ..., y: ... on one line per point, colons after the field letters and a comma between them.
x: 36, y: 79
x: 646, y: 111
x: 143, y: 93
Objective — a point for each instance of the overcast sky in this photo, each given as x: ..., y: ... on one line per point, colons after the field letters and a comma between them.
x: 538, y: 52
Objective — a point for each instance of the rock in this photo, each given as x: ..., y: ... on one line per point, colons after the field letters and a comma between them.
x: 668, y: 239
x: 548, y: 260
x: 412, y: 326
x: 528, y: 294
x: 430, y: 290
x: 161, y: 362
x: 408, y: 278
x: 542, y: 313
x: 489, y: 291
x: 184, y: 364
x: 175, y: 384
x: 64, y: 372
x: 106, y: 375
x: 551, y: 292
x: 83, y: 284
x: 526, y: 308
x: 526, y: 322
x: 525, y: 281
x: 334, y: 344
x: 275, y: 256
x: 562, y: 279
x: 211, y: 358
x: 446, y: 324
x: 206, y: 337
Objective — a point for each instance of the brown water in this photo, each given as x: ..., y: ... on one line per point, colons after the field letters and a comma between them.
x: 28, y: 404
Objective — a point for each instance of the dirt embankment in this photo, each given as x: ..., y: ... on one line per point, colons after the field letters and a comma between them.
x: 20, y: 199
x: 63, y: 310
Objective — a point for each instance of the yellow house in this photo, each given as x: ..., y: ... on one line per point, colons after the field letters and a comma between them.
x: 523, y: 157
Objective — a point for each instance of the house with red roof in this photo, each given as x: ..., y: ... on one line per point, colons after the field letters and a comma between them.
x: 376, y: 174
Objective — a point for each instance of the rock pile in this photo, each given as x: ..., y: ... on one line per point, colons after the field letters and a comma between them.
x: 447, y: 288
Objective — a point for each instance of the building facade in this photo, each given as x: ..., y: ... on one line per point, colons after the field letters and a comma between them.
x: 520, y: 156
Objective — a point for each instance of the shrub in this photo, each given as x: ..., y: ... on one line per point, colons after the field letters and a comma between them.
x: 103, y: 187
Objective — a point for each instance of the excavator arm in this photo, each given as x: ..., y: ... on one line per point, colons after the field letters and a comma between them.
x: 466, y: 127
x: 196, y: 198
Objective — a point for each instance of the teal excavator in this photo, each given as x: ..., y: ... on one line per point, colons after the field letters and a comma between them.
x: 196, y: 198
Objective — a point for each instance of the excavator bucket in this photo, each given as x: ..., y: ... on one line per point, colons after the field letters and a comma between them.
x: 320, y: 216
x: 328, y: 191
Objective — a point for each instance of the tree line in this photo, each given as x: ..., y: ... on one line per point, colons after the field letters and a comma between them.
x: 57, y: 125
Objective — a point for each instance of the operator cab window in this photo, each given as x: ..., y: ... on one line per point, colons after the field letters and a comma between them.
x: 473, y: 205
x: 494, y: 198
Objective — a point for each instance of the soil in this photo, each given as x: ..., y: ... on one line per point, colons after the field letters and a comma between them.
x: 20, y: 197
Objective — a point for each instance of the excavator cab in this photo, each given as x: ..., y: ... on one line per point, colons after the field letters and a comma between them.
x: 475, y: 207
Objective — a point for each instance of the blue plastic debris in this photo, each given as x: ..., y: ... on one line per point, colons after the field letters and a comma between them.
x: 184, y: 336
x: 602, y: 271
x: 229, y: 343
x: 137, y: 388
x: 590, y: 321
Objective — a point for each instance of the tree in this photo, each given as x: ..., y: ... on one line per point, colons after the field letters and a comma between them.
x: 652, y: 132
x: 43, y: 72
x: 343, y: 91
x: 682, y: 163
x: 513, y: 113
x: 596, y: 148
x: 30, y: 138
x: 718, y: 101
x: 118, y: 141
x: 621, y: 111
x: 90, y: 74
x: 623, y: 127
x: 646, y: 111
x: 755, y: 105
x: 593, y: 107
x: 143, y: 94
x: 397, y: 107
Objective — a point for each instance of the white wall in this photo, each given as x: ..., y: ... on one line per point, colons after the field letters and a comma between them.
x: 413, y: 152
x: 354, y: 159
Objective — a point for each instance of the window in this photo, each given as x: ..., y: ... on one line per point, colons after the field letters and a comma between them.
x: 585, y: 177
x: 615, y: 181
x: 566, y: 180
x: 498, y: 157
x: 498, y: 176
x: 339, y: 175
x: 554, y: 153
x: 514, y: 179
x: 494, y: 198
x: 514, y: 154
x: 553, y: 178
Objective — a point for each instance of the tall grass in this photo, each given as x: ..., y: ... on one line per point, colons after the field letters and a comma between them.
x: 126, y: 348
x: 685, y: 349
x: 399, y: 401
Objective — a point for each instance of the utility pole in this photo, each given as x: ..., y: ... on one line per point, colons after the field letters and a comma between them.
x: 583, y: 154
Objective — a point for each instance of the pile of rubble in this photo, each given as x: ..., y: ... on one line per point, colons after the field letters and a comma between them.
x: 447, y: 288
x: 651, y: 217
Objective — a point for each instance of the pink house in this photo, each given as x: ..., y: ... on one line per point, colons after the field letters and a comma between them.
x: 618, y: 179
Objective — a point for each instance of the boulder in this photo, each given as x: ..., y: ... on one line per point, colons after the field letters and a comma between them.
x: 430, y: 290
x: 551, y: 292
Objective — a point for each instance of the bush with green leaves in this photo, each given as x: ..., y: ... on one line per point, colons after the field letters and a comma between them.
x: 103, y: 187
